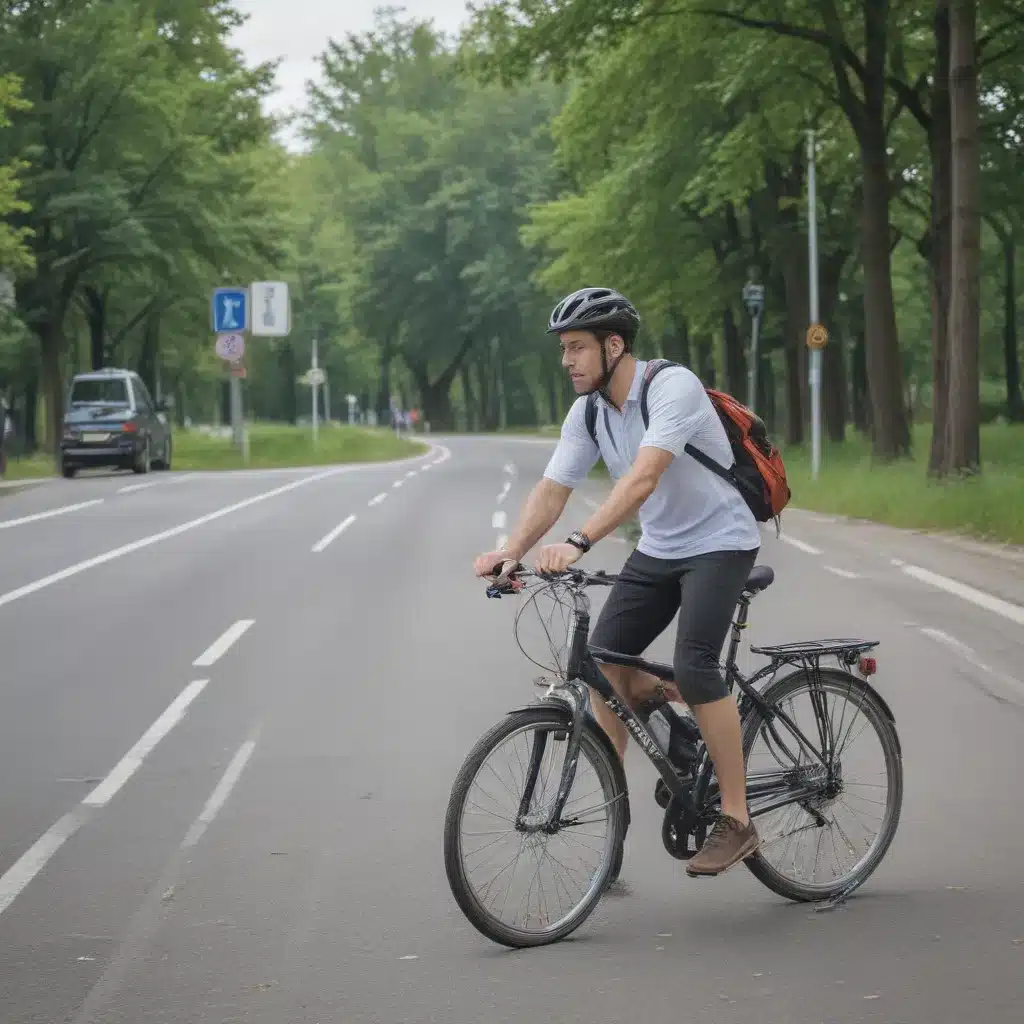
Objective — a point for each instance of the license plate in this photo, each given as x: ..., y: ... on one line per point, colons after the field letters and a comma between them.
x: 94, y: 438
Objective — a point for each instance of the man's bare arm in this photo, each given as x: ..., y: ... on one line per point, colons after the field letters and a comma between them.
x: 542, y: 510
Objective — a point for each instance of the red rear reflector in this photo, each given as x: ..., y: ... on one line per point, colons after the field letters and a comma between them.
x: 130, y: 427
x: 868, y: 666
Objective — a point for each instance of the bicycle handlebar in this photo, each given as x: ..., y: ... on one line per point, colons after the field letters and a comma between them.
x: 578, y: 577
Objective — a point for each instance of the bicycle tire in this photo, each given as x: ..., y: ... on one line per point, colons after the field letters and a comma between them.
x: 612, y: 780
x: 880, y: 717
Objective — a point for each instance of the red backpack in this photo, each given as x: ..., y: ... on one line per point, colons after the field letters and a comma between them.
x: 758, y: 473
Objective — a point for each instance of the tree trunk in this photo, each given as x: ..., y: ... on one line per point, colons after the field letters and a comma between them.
x: 705, y: 362
x: 963, y: 453
x: 859, y: 384
x: 833, y: 363
x: 467, y: 398
x: 940, y: 255
x: 52, y: 348
x: 794, y: 396
x: 834, y: 390
x: 676, y: 341
x: 795, y: 275
x: 384, y: 394
x: 288, y: 365
x: 149, y: 351
x: 891, y: 431
x: 31, y: 413
x: 1011, y: 355
x: 552, y: 383
x: 735, y: 357
x: 96, y: 318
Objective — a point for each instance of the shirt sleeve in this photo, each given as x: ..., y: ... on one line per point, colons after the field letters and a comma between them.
x: 576, y: 453
x: 676, y: 403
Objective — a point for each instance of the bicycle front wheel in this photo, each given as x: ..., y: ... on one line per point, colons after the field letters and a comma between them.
x: 831, y: 840
x: 517, y: 884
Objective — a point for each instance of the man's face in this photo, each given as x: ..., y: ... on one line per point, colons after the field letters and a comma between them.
x: 581, y: 356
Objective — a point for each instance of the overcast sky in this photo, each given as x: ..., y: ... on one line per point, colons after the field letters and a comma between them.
x: 297, y: 30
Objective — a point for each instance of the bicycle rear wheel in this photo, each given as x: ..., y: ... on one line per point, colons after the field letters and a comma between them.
x: 501, y: 867
x: 834, y: 710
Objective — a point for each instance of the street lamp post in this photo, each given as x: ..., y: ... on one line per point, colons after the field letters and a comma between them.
x: 753, y: 299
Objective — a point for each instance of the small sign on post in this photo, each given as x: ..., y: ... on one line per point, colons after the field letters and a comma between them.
x: 229, y: 310
x: 817, y: 336
x: 230, y: 346
x: 271, y: 309
x: 753, y: 298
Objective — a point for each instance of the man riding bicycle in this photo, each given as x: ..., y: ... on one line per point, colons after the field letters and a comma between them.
x: 699, y: 538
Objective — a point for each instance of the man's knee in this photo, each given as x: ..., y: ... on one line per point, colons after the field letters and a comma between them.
x: 698, y: 674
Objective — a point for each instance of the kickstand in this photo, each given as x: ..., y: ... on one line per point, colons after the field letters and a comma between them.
x: 839, y: 900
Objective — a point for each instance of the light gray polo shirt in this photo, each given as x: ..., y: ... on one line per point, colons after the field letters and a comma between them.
x: 692, y: 511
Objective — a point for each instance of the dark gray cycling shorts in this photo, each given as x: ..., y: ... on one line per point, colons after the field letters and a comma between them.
x: 703, y: 589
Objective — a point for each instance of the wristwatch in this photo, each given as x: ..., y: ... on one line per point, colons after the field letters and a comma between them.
x: 578, y: 539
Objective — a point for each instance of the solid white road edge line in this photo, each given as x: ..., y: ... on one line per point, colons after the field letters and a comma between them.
x: 49, y: 514
x: 971, y: 657
x: 845, y: 573
x: 222, y: 644
x: 321, y: 544
x: 1013, y: 612
x: 801, y: 545
x: 156, y: 538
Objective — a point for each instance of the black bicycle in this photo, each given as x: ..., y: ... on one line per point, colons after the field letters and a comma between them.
x: 565, y: 787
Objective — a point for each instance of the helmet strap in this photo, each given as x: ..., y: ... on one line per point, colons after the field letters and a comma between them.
x: 607, y: 372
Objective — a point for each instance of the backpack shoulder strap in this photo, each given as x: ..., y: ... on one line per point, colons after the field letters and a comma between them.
x: 591, y: 416
x: 653, y: 368
x: 709, y: 463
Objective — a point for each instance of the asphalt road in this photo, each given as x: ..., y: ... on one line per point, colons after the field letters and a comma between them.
x: 257, y: 837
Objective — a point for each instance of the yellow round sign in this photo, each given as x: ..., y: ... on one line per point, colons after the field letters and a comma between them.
x: 817, y: 336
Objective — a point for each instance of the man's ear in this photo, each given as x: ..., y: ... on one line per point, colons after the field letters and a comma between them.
x: 616, y: 346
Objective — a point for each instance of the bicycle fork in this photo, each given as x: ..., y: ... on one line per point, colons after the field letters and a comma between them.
x: 574, y: 697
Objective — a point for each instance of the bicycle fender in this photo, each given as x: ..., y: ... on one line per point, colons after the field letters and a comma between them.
x: 559, y: 702
x: 888, y: 711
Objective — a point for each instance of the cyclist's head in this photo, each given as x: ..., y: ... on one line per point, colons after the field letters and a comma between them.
x: 597, y: 327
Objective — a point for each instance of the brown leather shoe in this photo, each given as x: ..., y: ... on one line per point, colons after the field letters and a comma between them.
x: 727, y: 844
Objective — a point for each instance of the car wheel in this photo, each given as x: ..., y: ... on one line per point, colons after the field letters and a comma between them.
x: 165, y: 461
x: 144, y: 460
x: 68, y: 471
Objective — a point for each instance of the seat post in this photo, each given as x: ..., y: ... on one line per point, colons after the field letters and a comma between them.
x: 739, y: 624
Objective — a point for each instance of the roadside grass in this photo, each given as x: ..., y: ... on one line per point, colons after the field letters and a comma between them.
x: 29, y: 467
x: 989, y: 506
x: 275, y: 446
x: 271, y: 446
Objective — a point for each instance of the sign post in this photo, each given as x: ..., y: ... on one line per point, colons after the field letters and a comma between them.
x: 351, y: 399
x: 753, y: 299
x: 815, y: 350
x: 230, y: 316
x: 314, y: 381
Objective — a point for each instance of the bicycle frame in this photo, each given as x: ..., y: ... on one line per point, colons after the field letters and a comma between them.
x: 696, y: 796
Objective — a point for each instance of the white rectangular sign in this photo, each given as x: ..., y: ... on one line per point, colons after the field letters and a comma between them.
x: 271, y: 313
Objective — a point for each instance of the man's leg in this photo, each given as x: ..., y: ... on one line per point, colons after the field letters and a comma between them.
x: 641, y: 604
x: 709, y: 590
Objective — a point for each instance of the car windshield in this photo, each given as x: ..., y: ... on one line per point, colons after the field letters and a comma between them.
x: 99, y: 391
